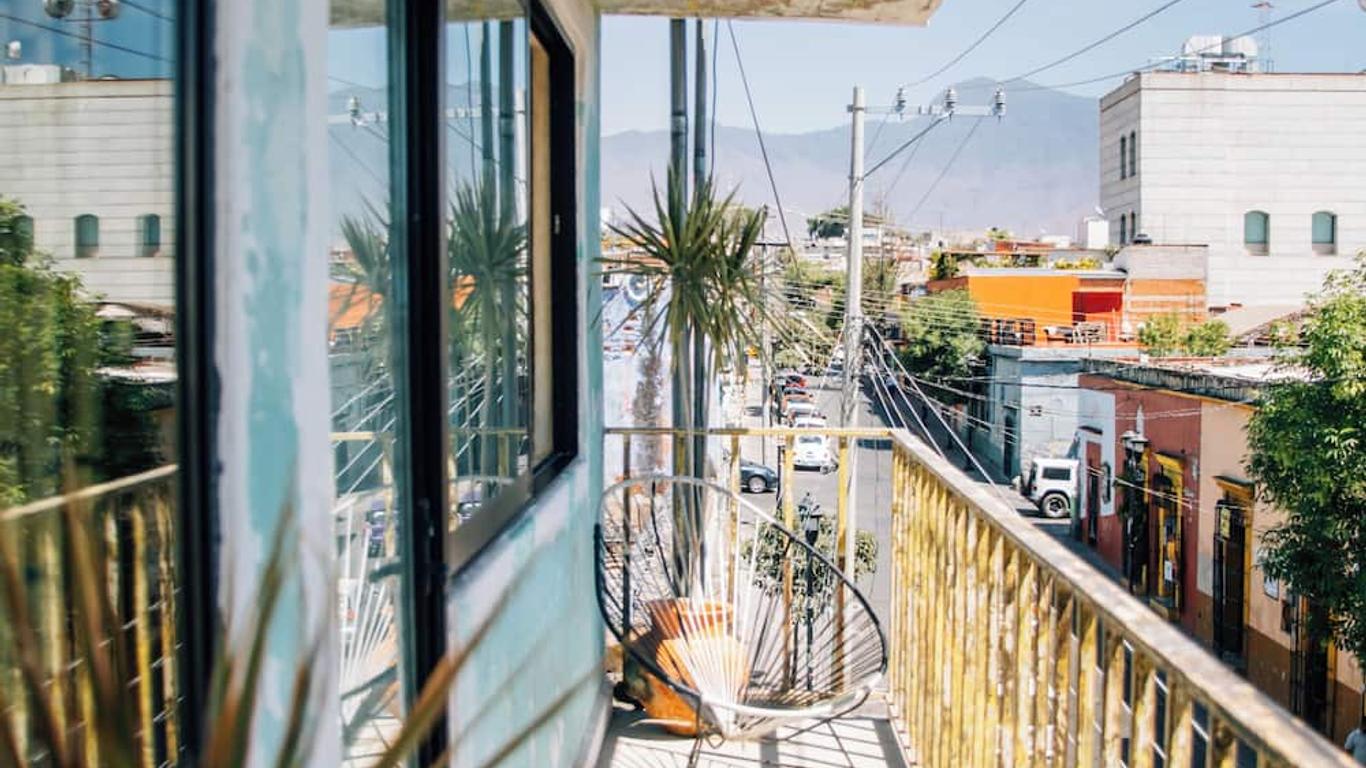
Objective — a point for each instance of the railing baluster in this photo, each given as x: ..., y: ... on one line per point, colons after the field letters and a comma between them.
x: 1116, y: 718
x: 142, y: 641
x: 51, y: 623
x: 1144, y: 711
x: 1090, y: 689
x: 1064, y: 662
x: 166, y: 618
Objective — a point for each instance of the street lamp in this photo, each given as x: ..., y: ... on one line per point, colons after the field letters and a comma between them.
x: 94, y: 10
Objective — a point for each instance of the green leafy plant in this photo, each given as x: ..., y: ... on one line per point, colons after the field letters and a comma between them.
x: 943, y: 336
x: 1207, y: 339
x: 943, y: 266
x: 1307, y: 455
x: 1161, y: 335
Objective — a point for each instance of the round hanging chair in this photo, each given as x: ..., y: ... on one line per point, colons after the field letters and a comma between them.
x: 730, y: 624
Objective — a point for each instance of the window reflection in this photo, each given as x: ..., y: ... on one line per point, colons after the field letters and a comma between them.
x: 88, y: 351
x: 487, y: 252
x: 364, y: 413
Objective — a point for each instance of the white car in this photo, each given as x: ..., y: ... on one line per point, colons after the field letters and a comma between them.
x: 813, y: 452
x: 810, y: 422
x: 800, y: 410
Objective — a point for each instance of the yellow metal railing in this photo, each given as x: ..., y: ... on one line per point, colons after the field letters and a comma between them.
x: 132, y: 519
x: 1009, y: 649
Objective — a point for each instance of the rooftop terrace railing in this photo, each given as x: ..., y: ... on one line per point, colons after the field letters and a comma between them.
x: 1006, y: 648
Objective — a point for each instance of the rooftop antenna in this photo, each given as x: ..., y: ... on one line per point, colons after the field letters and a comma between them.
x: 1264, y: 9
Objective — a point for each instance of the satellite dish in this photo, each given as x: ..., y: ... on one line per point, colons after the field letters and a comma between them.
x: 58, y: 9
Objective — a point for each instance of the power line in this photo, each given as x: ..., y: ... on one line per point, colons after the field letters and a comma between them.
x: 952, y: 158
x: 92, y: 40
x: 906, y: 144
x: 1155, y: 64
x: 758, y: 132
x: 149, y: 11
x: 972, y: 47
x: 1096, y: 44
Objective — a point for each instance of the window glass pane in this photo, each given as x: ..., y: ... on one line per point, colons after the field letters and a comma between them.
x: 1123, y: 156
x: 486, y: 132
x: 1133, y: 153
x: 87, y: 235
x: 1255, y: 228
x: 151, y: 234
x: 1325, y: 228
x: 361, y: 313
x: 88, y: 352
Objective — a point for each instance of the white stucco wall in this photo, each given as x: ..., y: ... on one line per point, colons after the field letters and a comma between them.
x: 1213, y: 146
x: 101, y: 147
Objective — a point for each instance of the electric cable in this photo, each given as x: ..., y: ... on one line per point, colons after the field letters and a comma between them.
x: 981, y: 39
x: 952, y: 159
x: 758, y: 132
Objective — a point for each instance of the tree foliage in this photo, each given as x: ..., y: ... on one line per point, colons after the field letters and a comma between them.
x: 1307, y: 455
x: 1163, y: 336
x: 943, y: 339
x: 1207, y: 339
x: 57, y: 414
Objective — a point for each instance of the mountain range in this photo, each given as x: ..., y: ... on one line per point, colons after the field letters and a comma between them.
x: 1033, y: 170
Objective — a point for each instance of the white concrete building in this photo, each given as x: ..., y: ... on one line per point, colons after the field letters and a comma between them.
x: 92, y: 162
x: 1267, y: 169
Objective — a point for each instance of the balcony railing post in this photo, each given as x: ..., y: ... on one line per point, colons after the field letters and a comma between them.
x: 52, y: 611
x: 989, y: 746
x: 142, y: 638
x: 1144, y: 712
x: 959, y: 638
x: 1027, y: 633
x: 1117, y: 717
x: 1181, y: 711
x: 1009, y: 672
x: 166, y: 615
x: 1045, y: 655
x: 1059, y: 694
x: 974, y: 679
x: 1090, y: 688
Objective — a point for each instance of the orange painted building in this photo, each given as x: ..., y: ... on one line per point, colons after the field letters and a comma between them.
x: 1033, y: 306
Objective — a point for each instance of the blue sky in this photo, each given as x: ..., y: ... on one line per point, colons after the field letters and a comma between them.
x: 802, y: 73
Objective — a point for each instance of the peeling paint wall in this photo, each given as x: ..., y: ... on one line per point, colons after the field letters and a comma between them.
x: 534, y: 684
x: 270, y: 356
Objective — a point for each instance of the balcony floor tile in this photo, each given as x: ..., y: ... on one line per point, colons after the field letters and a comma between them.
x: 862, y: 739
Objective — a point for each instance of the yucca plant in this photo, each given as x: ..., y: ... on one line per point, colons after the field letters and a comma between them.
x: 699, y: 259
x: 486, y: 251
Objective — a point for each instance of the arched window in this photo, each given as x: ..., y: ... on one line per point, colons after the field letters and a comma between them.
x: 1133, y: 225
x: 1123, y: 229
x: 1325, y: 232
x: 1133, y: 153
x: 149, y: 234
x: 1256, y: 231
x: 87, y: 235
x: 1123, y: 154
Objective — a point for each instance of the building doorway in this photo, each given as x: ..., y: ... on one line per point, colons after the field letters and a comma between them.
x: 1311, y: 665
x: 1230, y: 582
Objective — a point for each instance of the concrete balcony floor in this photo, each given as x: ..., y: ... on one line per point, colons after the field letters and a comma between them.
x: 862, y: 739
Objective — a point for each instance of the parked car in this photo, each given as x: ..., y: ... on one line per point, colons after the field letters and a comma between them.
x: 799, y: 409
x: 757, y: 478
x: 813, y: 452
x: 374, y: 534
x: 1051, y: 483
x: 814, y: 421
x: 795, y: 379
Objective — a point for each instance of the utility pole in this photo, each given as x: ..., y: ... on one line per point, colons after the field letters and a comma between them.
x: 678, y: 173
x: 701, y: 393
x: 853, y: 319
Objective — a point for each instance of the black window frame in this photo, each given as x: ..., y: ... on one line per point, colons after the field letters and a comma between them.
x: 429, y: 559
x: 470, y: 538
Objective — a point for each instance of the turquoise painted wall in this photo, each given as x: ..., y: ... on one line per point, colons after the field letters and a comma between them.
x: 534, y: 682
